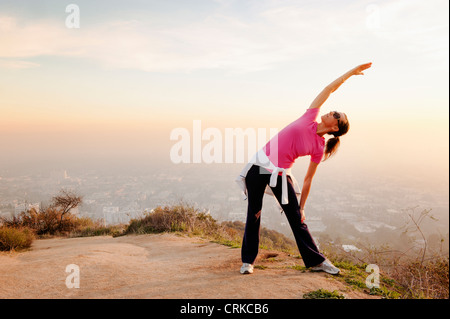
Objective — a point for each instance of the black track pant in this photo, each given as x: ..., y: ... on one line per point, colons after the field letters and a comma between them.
x: 256, y: 183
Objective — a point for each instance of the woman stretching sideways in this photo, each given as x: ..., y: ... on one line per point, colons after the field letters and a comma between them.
x: 269, y: 171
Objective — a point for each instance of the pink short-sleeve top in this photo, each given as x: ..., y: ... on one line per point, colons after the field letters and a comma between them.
x: 297, y: 139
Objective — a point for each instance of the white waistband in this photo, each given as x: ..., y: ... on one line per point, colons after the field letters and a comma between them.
x: 261, y: 159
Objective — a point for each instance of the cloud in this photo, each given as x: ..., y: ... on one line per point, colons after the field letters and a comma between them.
x: 37, y: 38
x: 17, y: 64
x: 417, y: 28
x: 220, y: 41
x: 265, y: 36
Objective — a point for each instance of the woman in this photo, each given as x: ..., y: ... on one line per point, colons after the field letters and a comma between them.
x: 269, y: 171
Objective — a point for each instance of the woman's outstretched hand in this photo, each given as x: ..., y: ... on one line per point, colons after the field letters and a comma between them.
x: 360, y: 68
x: 333, y: 86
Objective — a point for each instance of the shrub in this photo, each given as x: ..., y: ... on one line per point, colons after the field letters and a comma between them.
x: 172, y: 219
x: 49, y: 222
x: 429, y: 279
x: 323, y: 294
x: 55, y: 219
x: 406, y: 276
x: 15, y: 238
x: 185, y: 219
x: 86, y: 227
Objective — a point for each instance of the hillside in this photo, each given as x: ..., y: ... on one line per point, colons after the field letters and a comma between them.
x: 155, y: 266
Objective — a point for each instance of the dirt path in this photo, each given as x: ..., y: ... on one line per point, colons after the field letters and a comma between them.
x: 154, y: 266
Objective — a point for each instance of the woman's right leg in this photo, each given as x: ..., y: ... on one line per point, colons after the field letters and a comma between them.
x: 305, y: 242
x: 256, y: 185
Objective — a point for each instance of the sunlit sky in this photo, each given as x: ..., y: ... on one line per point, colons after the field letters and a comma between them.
x: 135, y: 70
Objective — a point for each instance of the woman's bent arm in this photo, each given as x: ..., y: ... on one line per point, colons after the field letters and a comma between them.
x: 333, y: 86
x: 307, y: 186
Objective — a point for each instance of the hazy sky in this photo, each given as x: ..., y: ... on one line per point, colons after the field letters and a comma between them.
x: 135, y: 70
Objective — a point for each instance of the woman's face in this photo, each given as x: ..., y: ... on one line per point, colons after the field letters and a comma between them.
x: 330, y: 119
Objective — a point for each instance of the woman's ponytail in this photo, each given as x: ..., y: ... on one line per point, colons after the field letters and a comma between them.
x: 333, y: 143
x: 331, y: 147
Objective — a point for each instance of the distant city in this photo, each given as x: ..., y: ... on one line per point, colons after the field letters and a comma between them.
x: 347, y: 211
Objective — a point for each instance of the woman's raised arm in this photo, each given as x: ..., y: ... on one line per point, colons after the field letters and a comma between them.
x: 333, y: 86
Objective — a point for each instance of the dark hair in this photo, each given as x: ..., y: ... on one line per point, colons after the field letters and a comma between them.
x: 333, y: 143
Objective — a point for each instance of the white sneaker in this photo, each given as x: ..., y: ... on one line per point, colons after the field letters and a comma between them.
x: 326, y: 266
x: 246, y: 268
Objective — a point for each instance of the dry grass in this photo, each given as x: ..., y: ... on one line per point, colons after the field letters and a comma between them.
x: 403, y: 275
x: 51, y: 222
x: 423, y: 279
x: 15, y: 238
